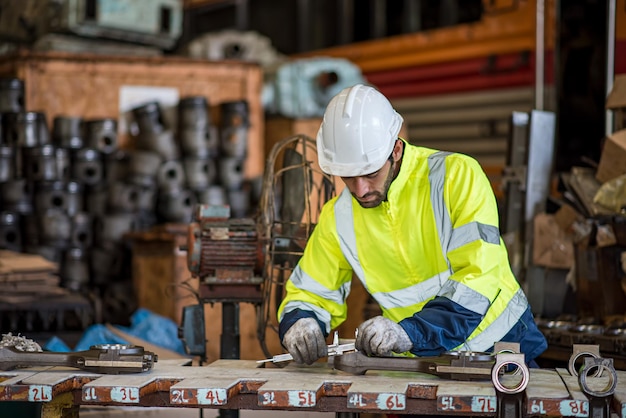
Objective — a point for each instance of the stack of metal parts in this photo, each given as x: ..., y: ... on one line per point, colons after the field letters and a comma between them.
x: 194, y: 162
x: 70, y: 194
x: 55, y: 195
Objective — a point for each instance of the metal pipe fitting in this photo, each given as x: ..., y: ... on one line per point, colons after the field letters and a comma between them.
x: 67, y: 132
x: 143, y: 167
x: 50, y: 195
x: 176, y: 206
x: 74, y: 269
x: 7, y: 164
x: 63, y: 163
x: 55, y: 228
x: 170, y: 175
x: 235, y: 113
x: 26, y: 129
x: 59, y: 195
x: 87, y: 167
x: 40, y: 163
x: 101, y: 134
x: 199, y: 172
x: 235, y: 123
x: 81, y: 235
x: 11, y: 95
x: 116, y: 166
x: 234, y: 141
x: 162, y: 143
x: 111, y: 228
x: 17, y: 195
x: 199, y: 142
x: 239, y: 202
x: 149, y: 118
x: 214, y: 195
x: 230, y: 172
x: 123, y: 197
x: 193, y: 113
x: 146, y: 199
x: 96, y: 200
x: 10, y: 231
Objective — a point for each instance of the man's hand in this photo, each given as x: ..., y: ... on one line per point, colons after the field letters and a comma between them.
x: 305, y: 341
x: 380, y: 336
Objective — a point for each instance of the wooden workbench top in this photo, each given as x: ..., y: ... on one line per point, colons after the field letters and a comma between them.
x: 241, y: 384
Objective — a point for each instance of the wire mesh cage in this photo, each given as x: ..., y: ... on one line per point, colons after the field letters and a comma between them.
x: 294, y: 192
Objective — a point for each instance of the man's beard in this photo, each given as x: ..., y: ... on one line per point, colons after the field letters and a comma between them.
x: 380, y: 197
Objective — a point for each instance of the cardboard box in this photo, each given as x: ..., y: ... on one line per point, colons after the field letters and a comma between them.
x: 552, y: 246
x: 566, y: 216
x: 613, y: 158
x: 616, y: 101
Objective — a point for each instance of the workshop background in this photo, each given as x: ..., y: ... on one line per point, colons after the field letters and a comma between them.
x: 129, y: 129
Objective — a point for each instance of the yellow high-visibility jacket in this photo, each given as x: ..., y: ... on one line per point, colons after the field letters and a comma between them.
x: 431, y: 255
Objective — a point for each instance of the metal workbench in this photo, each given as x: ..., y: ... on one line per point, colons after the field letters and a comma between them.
x: 241, y: 384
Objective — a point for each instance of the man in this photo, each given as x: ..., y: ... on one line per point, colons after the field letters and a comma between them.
x: 419, y: 228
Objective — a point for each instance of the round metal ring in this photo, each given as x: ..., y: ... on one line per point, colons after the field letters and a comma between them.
x: 571, y: 364
x: 601, y: 365
x: 503, y: 360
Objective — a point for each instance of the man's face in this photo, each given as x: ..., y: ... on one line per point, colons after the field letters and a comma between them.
x: 371, y: 190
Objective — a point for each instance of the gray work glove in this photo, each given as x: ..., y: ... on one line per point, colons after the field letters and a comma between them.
x: 305, y: 341
x: 379, y: 336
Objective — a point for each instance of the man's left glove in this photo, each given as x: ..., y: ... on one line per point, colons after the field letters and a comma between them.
x: 305, y: 341
x: 379, y: 336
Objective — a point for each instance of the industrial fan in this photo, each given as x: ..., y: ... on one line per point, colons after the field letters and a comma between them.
x: 294, y: 191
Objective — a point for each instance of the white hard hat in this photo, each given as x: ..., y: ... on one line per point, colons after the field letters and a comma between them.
x: 358, y: 132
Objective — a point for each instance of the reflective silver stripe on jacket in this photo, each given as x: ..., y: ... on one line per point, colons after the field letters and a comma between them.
x: 474, y: 231
x: 321, y: 314
x: 464, y: 296
x: 436, y: 178
x: 500, y: 326
x: 347, y: 236
x: 303, y: 281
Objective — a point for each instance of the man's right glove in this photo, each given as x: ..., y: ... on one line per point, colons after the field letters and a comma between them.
x: 305, y: 341
x: 379, y: 336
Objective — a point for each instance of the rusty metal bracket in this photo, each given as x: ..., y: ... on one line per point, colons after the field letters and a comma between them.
x: 599, y: 398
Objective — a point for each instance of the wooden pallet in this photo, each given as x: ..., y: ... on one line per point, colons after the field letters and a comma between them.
x: 240, y: 384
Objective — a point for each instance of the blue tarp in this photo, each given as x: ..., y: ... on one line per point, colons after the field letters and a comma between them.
x: 147, y: 325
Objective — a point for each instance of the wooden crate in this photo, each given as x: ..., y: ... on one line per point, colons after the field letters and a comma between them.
x: 159, y: 270
x: 279, y: 128
x: 88, y: 86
